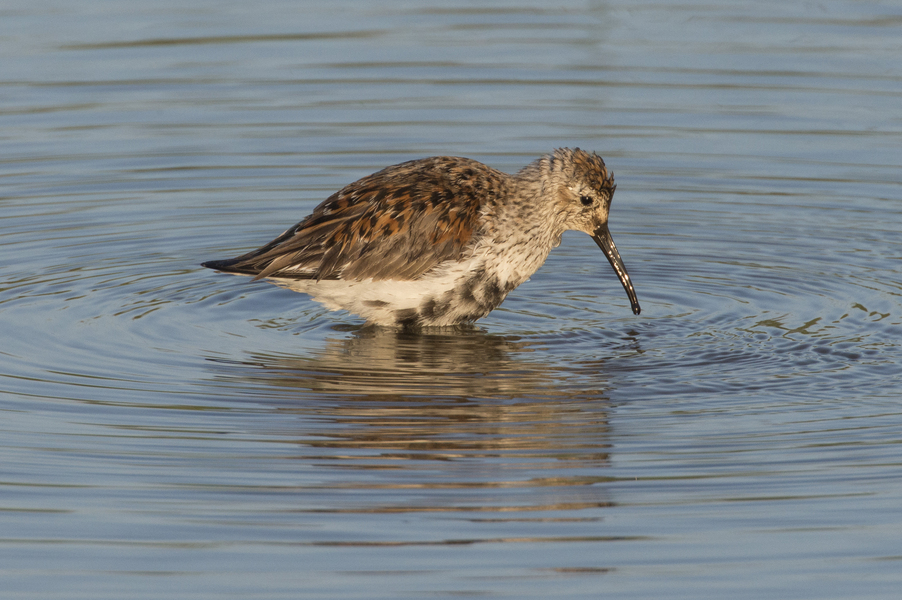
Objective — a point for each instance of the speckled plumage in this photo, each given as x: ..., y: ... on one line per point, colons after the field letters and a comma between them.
x: 438, y: 241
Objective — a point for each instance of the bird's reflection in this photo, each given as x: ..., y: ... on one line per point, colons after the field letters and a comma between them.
x: 435, y: 395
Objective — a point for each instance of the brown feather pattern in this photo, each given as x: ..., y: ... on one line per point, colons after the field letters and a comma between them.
x: 397, y: 223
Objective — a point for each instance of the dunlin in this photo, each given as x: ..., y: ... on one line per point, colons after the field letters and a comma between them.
x: 438, y: 241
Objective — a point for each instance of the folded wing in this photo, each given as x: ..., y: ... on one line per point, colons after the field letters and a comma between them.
x: 395, y: 224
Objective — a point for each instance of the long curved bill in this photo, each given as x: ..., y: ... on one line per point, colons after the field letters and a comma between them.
x: 602, y: 237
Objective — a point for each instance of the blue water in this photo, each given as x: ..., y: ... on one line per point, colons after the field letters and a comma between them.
x: 167, y: 431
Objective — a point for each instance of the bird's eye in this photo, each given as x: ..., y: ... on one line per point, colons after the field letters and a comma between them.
x: 586, y: 200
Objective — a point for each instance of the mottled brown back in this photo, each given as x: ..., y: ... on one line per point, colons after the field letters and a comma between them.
x: 395, y: 224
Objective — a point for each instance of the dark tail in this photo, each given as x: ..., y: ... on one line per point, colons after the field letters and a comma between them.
x: 230, y: 265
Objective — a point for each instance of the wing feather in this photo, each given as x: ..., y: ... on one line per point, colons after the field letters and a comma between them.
x: 398, y: 223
